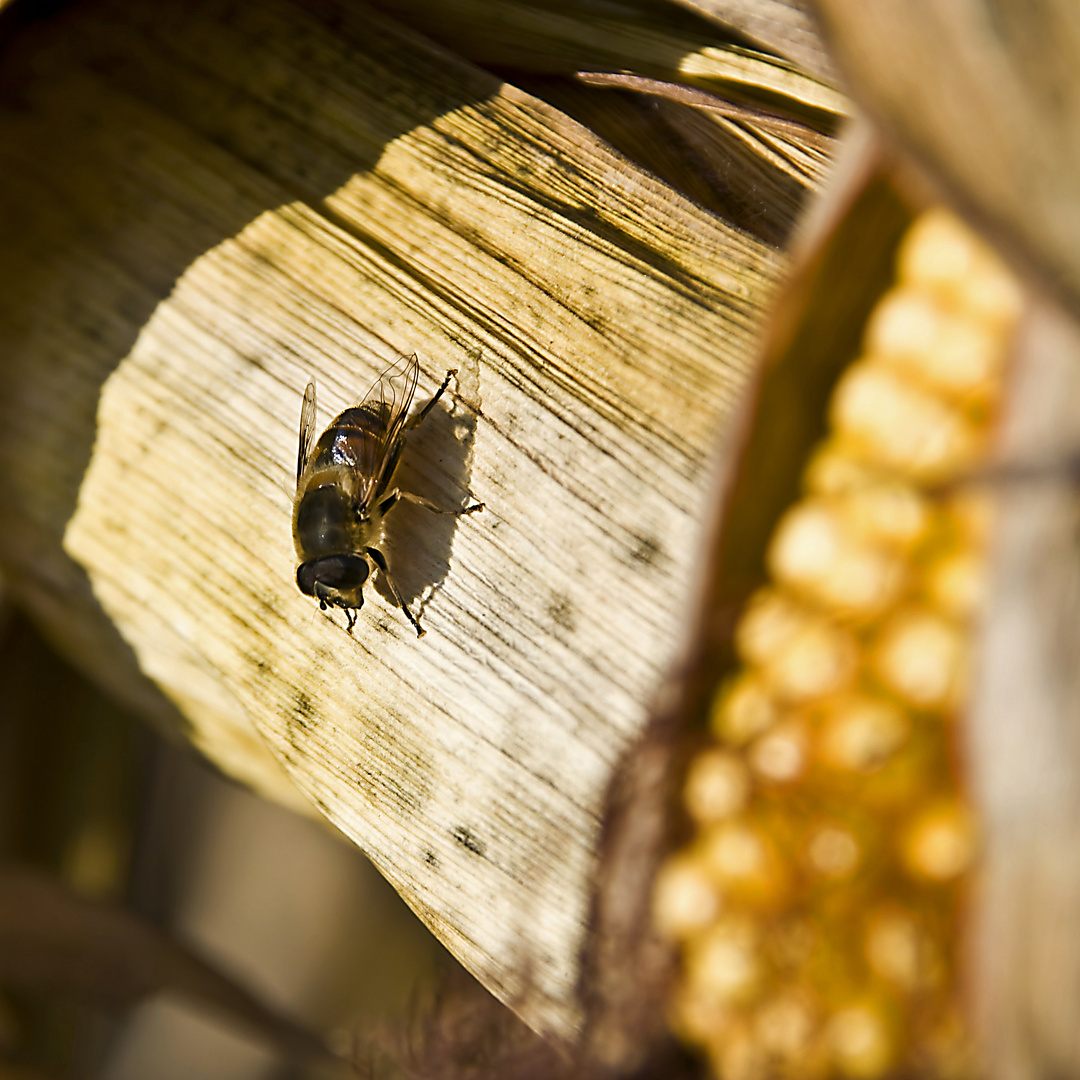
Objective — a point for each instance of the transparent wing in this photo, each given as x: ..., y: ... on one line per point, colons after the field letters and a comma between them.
x: 392, y: 392
x: 386, y: 405
x: 307, y: 430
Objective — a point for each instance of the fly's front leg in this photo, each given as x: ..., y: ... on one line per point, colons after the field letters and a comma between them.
x: 419, y: 418
x: 380, y: 561
x: 398, y: 495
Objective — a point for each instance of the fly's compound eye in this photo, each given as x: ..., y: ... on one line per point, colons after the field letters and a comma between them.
x: 332, y: 573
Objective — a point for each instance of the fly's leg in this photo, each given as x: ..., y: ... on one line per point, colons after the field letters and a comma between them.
x: 350, y: 614
x: 418, y: 419
x: 380, y: 561
x: 391, y: 500
x: 397, y: 495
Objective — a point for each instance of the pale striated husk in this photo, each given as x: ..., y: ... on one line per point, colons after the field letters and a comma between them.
x: 211, y: 205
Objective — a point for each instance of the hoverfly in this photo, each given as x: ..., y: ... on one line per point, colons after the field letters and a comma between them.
x: 344, y: 490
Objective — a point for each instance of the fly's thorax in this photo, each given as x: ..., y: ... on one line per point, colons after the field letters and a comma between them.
x: 352, y: 437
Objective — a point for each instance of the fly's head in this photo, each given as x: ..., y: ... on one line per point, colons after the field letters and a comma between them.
x: 334, y: 580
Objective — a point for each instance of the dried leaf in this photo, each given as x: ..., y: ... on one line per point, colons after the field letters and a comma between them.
x: 759, y: 165
x: 552, y: 37
x: 1022, y: 731
x: 985, y: 97
x: 784, y: 27
x: 222, y: 222
x: 842, y: 263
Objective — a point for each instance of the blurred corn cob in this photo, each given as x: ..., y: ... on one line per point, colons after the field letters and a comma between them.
x: 817, y: 904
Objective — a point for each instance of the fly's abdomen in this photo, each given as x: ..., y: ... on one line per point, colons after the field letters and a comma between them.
x: 324, y: 520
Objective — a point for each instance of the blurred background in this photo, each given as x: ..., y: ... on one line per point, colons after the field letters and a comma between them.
x: 279, y: 903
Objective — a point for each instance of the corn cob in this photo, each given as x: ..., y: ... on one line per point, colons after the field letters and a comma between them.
x: 817, y: 905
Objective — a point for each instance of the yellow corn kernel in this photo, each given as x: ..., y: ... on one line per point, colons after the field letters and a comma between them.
x: 833, y: 851
x: 697, y: 1018
x: 807, y: 543
x: 907, y: 322
x: 814, y: 552
x: 898, y: 950
x: 724, y: 962
x: 991, y: 293
x: 940, y: 844
x: 887, y: 512
x: 919, y: 655
x: 860, y: 733
x: 941, y: 255
x: 971, y: 513
x: 966, y: 360
x: 739, y: 1056
x: 861, y: 1041
x: 955, y: 583
x: 938, y: 251
x: 821, y: 659
x: 781, y: 755
x: 772, y: 619
x: 838, y: 466
x: 901, y: 426
x: 717, y: 786
x: 743, y: 862
x: 951, y: 352
x: 743, y: 709
x: 685, y: 898
x: 785, y: 1025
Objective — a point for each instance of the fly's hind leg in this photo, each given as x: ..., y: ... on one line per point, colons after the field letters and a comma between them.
x: 380, y: 561
x: 397, y: 495
x: 419, y: 418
